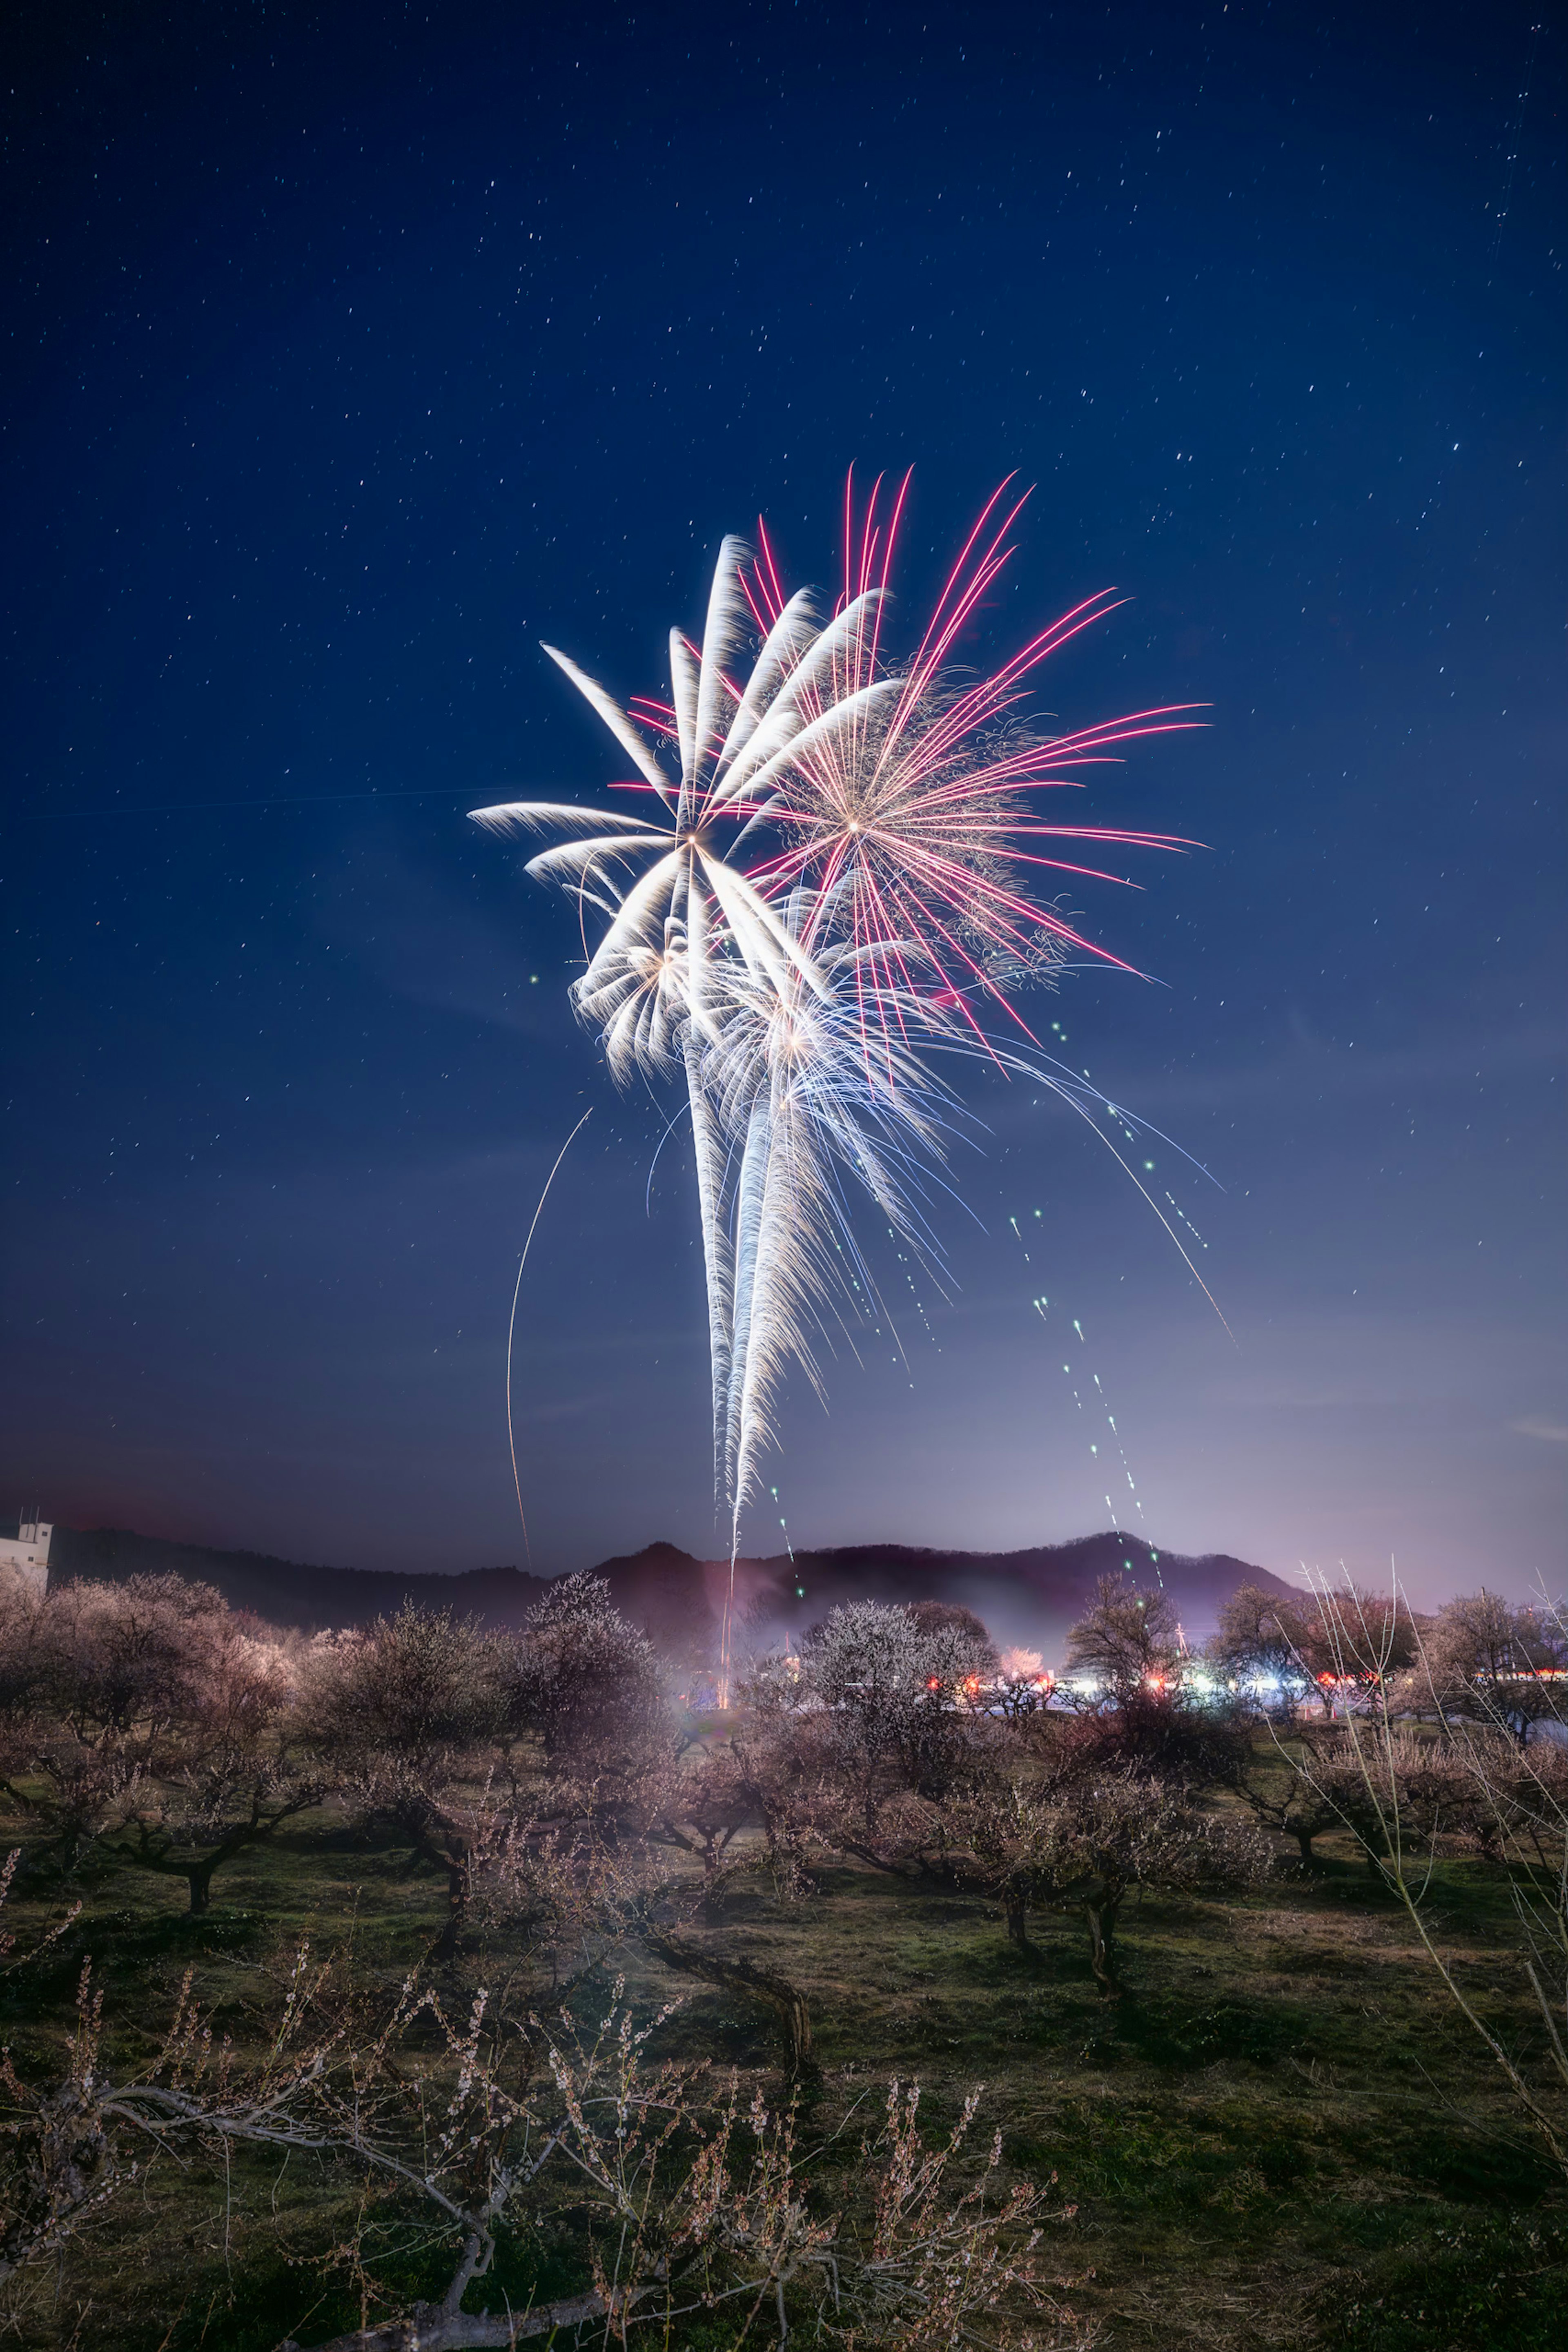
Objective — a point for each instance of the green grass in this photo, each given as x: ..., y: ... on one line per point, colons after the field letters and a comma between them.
x: 1284, y: 2136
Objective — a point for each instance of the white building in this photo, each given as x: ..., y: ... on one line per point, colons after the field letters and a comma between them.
x: 26, y: 1554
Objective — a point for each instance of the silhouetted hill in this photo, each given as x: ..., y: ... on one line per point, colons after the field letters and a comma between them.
x: 1027, y: 1597
x: 1030, y: 1596
x: 286, y: 1592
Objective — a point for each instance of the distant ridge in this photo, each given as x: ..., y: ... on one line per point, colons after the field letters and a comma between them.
x: 288, y: 1592
x: 1048, y: 1585
x: 1029, y: 1598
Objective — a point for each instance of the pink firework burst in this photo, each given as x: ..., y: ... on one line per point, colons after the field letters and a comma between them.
x: 917, y: 828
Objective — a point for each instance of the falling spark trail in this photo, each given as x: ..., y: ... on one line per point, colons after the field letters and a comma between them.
x: 512, y: 1324
x: 1041, y: 1307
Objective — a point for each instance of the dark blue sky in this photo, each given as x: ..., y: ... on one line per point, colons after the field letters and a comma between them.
x: 353, y: 348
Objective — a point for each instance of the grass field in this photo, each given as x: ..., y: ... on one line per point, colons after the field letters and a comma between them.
x: 1283, y: 2137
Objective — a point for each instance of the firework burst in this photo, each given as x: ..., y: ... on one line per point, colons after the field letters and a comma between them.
x: 678, y: 911
x: 914, y: 820
x: 835, y: 870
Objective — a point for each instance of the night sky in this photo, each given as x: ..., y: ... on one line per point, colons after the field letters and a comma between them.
x: 350, y: 351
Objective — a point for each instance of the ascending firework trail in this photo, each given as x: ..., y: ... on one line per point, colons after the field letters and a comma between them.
x: 512, y: 1323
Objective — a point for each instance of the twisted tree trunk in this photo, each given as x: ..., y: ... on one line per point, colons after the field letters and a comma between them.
x: 776, y: 1992
x: 436, y: 2328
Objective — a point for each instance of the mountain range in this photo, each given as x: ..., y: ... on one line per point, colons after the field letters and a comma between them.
x: 1027, y: 1597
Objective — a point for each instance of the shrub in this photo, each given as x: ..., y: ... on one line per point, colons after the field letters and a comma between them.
x: 583, y: 1682
x: 417, y: 1686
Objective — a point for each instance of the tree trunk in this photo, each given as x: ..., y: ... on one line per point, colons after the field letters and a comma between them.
x: 200, y: 1882
x: 776, y: 1992
x: 1304, y: 1839
x: 436, y: 2328
x: 445, y: 1944
x: 714, y: 1888
x: 1100, y: 1911
x: 1015, y: 1905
